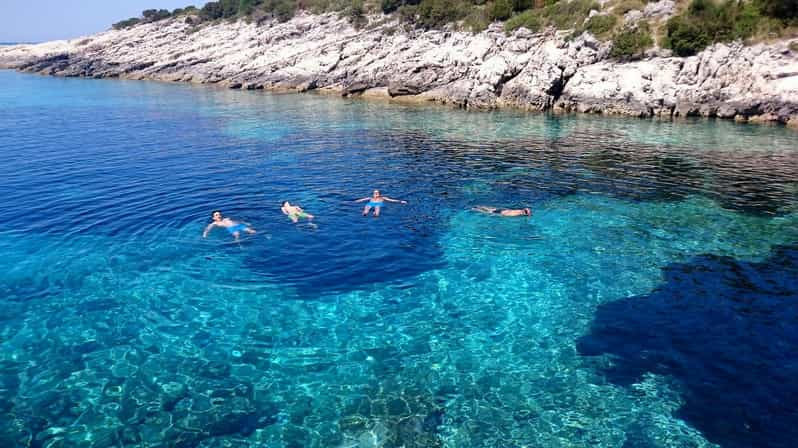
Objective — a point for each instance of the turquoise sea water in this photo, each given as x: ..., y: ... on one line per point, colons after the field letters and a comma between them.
x: 650, y: 301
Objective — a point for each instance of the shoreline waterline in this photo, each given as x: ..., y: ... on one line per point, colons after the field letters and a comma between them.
x: 380, y: 95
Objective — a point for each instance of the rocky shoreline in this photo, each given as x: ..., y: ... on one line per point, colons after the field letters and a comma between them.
x: 531, y: 71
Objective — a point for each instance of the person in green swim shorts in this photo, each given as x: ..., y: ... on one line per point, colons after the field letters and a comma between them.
x: 233, y: 227
x: 294, y: 212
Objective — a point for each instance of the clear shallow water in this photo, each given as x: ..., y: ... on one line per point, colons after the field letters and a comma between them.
x: 649, y: 302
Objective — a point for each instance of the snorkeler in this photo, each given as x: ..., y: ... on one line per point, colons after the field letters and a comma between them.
x: 504, y: 212
x: 376, y: 201
x: 294, y: 212
x: 234, y: 227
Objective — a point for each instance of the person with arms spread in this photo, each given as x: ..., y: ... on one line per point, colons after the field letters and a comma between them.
x: 376, y: 201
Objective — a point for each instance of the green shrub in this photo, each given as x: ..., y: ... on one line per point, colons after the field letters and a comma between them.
x: 212, y: 11
x: 283, y: 10
x: 247, y: 7
x: 523, y: 5
x: 436, y: 13
x: 529, y: 19
x: 125, y: 23
x: 685, y: 37
x: 154, y: 15
x: 389, y: 6
x: 786, y: 10
x: 747, y: 22
x: 631, y: 42
x: 408, y: 13
x: 186, y: 10
x: 501, y: 10
x: 705, y: 22
x: 568, y: 14
x: 356, y: 14
x: 601, y: 25
x: 477, y: 20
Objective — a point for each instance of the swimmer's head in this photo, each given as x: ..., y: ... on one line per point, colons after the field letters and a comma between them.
x: 376, y: 193
x: 285, y: 204
x: 527, y: 212
x: 216, y: 215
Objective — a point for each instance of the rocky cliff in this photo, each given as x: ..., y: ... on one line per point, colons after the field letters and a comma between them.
x: 535, y: 71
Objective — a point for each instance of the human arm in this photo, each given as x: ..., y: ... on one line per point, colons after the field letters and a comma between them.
x: 208, y: 229
x: 399, y: 201
x: 362, y: 200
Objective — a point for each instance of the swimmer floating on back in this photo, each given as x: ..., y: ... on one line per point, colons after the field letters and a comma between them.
x: 503, y: 212
x: 294, y: 212
x: 234, y: 227
x: 376, y: 200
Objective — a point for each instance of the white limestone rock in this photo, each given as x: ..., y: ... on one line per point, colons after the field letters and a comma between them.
x: 485, y: 70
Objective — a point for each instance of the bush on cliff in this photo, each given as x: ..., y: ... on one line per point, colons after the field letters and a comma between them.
x: 356, y: 14
x: 601, y: 26
x: 477, y: 20
x: 530, y: 19
x: 436, y: 13
x: 785, y: 10
x: 559, y: 14
x: 631, y: 42
x: 212, y: 11
x: 686, y: 37
x: 147, y: 16
x: 705, y: 22
x: 569, y: 14
x: 389, y: 6
x: 501, y: 10
x: 154, y: 15
x: 127, y: 23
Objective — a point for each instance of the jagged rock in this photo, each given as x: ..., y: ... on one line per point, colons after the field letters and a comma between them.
x: 529, y: 70
x: 662, y: 8
x: 632, y: 16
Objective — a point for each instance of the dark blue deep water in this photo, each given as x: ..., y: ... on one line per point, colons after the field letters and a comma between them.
x: 650, y: 301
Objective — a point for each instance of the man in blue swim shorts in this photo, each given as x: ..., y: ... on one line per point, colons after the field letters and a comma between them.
x: 233, y: 227
x: 376, y: 201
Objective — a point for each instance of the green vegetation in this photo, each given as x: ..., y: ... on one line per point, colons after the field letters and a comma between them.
x: 559, y: 14
x: 127, y: 23
x: 529, y: 19
x: 705, y: 22
x: 356, y: 14
x: 601, y: 26
x: 631, y: 42
x: 477, y: 20
x: 501, y: 10
x: 794, y: 46
x: 700, y: 24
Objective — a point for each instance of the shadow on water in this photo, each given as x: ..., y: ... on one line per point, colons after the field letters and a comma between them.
x: 727, y: 331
